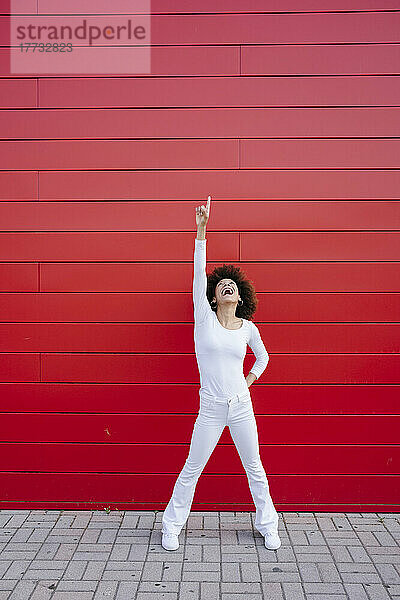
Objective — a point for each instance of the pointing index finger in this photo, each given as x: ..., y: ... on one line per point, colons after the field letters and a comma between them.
x: 208, y: 204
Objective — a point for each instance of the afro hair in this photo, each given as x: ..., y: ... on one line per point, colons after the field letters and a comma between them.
x: 245, y: 287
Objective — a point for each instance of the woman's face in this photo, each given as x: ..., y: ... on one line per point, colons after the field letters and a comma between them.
x: 226, y: 292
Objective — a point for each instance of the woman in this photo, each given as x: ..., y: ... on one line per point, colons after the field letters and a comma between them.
x: 221, y: 339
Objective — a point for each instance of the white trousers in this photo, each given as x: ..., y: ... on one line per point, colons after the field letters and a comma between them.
x: 236, y: 412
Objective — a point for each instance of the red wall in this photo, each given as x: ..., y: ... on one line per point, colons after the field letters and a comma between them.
x: 287, y: 113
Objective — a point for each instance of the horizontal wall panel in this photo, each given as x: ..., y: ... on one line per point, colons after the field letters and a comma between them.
x: 297, y: 154
x: 274, y: 277
x: 184, y: 398
x: 19, y: 367
x: 128, y: 154
x: 21, y: 277
x: 177, y: 429
x: 312, y: 28
x: 134, y: 307
x: 18, y: 185
x: 261, y: 28
x: 223, y: 6
x: 192, y: 6
x: 267, y: 277
x: 218, y: 91
x: 165, y: 60
x: 362, y: 59
x: 162, y: 247
x: 201, y: 154
x: 311, y: 59
x: 214, y: 123
x: 319, y: 246
x: 311, y: 490
x: 168, y: 338
x: 18, y: 93
x: 163, y: 216
x: 144, y: 458
x: 238, y: 184
x: 160, y: 368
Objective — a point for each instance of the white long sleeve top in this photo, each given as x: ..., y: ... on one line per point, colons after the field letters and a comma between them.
x: 220, y: 351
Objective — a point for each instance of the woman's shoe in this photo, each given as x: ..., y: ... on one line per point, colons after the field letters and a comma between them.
x: 170, y: 541
x: 272, y: 541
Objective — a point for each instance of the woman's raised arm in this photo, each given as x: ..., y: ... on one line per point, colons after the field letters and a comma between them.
x: 201, y: 305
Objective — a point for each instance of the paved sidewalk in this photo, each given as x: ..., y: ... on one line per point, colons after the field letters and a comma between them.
x: 117, y: 555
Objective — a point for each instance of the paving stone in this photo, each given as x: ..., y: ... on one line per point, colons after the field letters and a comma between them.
x: 231, y: 572
x: 293, y: 591
x: 309, y: 572
x: 355, y: 591
x: 209, y: 590
x: 106, y: 590
x: 388, y: 573
x: 324, y: 588
x: 272, y: 591
x: 22, y: 590
x: 126, y: 590
x: 377, y: 592
x: 189, y: 590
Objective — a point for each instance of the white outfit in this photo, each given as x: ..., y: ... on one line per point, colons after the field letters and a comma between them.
x: 220, y: 351
x: 224, y: 400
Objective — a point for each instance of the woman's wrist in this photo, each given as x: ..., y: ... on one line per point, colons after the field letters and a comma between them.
x: 201, y: 232
x: 250, y: 379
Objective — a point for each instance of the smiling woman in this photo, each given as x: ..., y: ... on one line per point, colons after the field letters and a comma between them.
x: 225, y: 399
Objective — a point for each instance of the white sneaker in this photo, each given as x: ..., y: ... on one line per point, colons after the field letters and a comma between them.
x: 170, y: 541
x: 272, y: 541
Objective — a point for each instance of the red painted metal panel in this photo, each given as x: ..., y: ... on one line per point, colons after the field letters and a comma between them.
x: 239, y: 184
x: 20, y: 367
x: 22, y: 277
x: 163, y: 247
x: 124, y: 154
x: 201, y: 154
x: 311, y: 28
x: 18, y: 93
x: 343, y: 59
x: 170, y: 338
x: 223, y: 6
x: 136, y: 490
x: 18, y: 186
x: 163, y: 216
x: 162, y: 368
x: 313, y: 154
x: 218, y: 92
x: 165, y: 60
x: 303, y: 123
x: 278, y: 459
x: 330, y: 246
x: 272, y: 277
x: 180, y: 398
x: 261, y: 28
x: 292, y: 278
x: 177, y: 429
x: 193, y: 6
x: 297, y: 307
x: 365, y: 59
